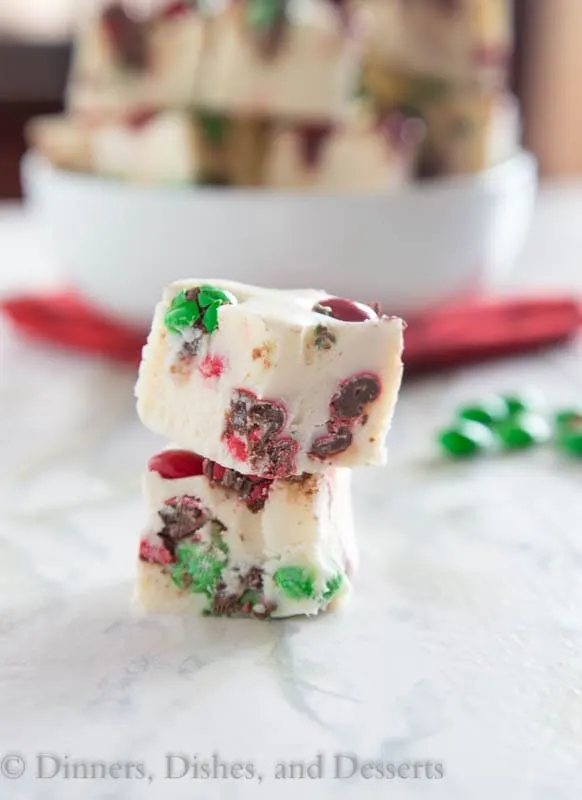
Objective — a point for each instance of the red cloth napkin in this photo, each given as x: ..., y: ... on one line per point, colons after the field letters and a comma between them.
x: 66, y: 319
x: 447, y: 337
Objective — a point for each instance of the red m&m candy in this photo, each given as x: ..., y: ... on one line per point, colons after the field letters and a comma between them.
x: 345, y: 310
x: 173, y: 464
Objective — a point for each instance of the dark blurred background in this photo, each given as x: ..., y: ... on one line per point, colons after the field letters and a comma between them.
x: 35, y: 50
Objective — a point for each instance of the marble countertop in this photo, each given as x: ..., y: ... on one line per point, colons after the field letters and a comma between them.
x: 458, y: 665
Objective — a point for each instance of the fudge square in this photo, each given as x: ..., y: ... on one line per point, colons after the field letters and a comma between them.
x: 142, y: 147
x: 467, y: 41
x: 368, y: 151
x: 123, y: 61
x: 284, y: 59
x: 471, y: 130
x: 225, y: 544
x: 269, y: 382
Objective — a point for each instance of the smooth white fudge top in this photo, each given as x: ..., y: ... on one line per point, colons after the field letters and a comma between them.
x: 275, y: 306
x: 290, y: 307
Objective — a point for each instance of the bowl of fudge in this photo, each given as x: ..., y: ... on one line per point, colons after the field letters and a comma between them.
x: 372, y: 147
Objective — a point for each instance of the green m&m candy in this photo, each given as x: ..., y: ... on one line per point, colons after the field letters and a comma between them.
x: 569, y: 417
x: 466, y: 439
x: 183, y: 312
x: 197, y: 307
x: 569, y: 431
x: 529, y: 400
x: 490, y: 411
x: 523, y: 431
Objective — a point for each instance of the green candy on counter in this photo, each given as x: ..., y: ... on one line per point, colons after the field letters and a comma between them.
x: 571, y: 443
x: 569, y: 417
x: 466, y: 439
x: 569, y: 431
x: 529, y: 400
x: 490, y: 411
x: 524, y: 430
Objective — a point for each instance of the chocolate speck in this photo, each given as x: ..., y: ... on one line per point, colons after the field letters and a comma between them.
x: 324, y: 339
x: 254, y: 579
x: 251, y: 490
x: 331, y: 444
x: 307, y: 484
x: 354, y: 395
x: 182, y: 517
x: 266, y: 613
x: 192, y: 294
x: 224, y: 605
x: 258, y: 425
x: 268, y: 417
x: 319, y: 309
x: 190, y: 349
x: 282, y: 456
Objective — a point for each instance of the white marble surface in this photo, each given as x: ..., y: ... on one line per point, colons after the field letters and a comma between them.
x: 463, y: 644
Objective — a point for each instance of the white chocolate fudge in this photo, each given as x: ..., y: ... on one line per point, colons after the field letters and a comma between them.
x: 293, y: 155
x: 286, y: 59
x: 467, y: 129
x: 122, y: 62
x: 221, y: 543
x: 458, y: 40
x: 470, y: 131
x: 163, y: 149
x: 370, y: 153
x: 146, y: 148
x: 267, y: 382
x: 364, y: 153
x: 64, y: 142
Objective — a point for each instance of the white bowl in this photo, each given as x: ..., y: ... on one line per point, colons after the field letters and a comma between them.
x: 119, y: 243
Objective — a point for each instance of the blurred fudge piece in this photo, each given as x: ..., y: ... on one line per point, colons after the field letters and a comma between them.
x: 63, y: 142
x: 467, y: 128
x: 224, y: 544
x: 122, y: 62
x: 144, y: 147
x: 389, y: 88
x: 371, y: 152
x: 366, y: 152
x: 469, y: 131
x: 161, y: 148
x: 294, y: 154
x: 293, y: 59
x: 268, y: 382
x: 460, y: 40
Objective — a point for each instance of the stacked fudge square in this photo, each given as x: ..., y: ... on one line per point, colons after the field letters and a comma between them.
x: 268, y: 399
x: 242, y: 92
x: 131, y: 82
x: 447, y: 62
